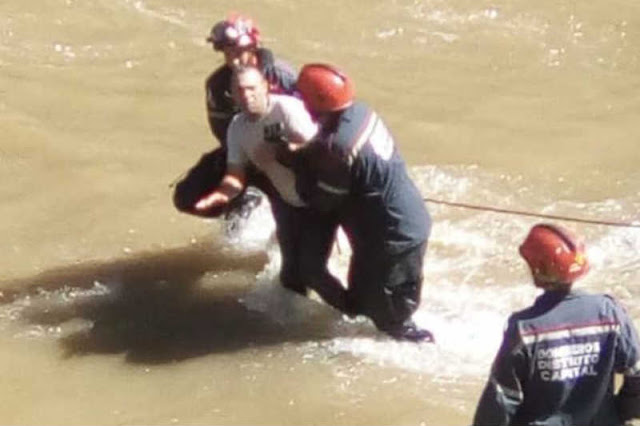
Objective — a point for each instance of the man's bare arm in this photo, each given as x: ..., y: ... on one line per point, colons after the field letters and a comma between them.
x: 230, y: 187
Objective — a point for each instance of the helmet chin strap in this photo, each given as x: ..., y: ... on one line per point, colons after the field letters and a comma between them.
x: 328, y: 120
x: 552, y: 286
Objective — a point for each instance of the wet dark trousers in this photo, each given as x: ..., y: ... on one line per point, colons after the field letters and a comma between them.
x: 385, y: 287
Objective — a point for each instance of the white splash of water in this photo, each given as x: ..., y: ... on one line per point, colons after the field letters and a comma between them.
x: 48, y: 301
x: 474, y: 279
x: 254, y: 232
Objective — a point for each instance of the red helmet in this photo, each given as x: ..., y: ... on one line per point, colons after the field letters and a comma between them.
x: 237, y: 31
x: 554, y: 255
x: 325, y: 88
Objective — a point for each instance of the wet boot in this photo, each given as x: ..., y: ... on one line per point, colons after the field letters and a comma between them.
x: 409, y: 331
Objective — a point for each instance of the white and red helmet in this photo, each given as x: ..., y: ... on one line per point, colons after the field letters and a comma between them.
x: 235, y: 31
x: 554, y: 255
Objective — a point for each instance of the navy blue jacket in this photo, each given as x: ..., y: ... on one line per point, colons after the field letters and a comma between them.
x: 557, y: 362
x: 354, y: 170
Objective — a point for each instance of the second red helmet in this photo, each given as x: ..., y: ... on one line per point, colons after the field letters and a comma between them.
x: 554, y: 255
x: 324, y: 88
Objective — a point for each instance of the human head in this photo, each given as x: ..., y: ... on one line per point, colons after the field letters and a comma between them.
x: 237, y: 37
x: 555, y: 256
x: 324, y: 88
x: 250, y: 91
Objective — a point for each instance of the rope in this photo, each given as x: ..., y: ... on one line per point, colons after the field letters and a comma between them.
x: 531, y: 214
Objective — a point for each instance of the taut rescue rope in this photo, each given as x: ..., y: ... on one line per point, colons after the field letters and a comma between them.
x: 531, y: 214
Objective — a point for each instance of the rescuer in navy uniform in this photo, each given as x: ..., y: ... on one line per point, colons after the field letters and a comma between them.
x: 558, y: 358
x: 238, y: 38
x: 353, y: 172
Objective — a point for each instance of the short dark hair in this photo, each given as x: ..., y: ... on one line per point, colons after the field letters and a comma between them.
x: 242, y: 69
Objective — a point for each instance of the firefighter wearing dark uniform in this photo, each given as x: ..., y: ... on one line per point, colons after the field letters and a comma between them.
x: 557, y: 361
x: 354, y: 173
x: 238, y: 38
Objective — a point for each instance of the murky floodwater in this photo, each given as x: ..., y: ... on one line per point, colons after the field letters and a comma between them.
x: 118, y: 310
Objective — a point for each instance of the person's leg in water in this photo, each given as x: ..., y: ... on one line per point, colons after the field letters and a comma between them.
x: 306, y: 238
x: 287, y: 224
x: 387, y: 289
x: 317, y: 234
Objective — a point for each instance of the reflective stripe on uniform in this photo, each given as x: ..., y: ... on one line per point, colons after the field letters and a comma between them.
x: 509, y: 393
x: 363, y: 136
x: 332, y: 189
x: 580, y: 331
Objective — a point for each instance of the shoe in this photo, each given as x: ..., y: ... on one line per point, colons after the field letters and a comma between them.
x: 412, y: 333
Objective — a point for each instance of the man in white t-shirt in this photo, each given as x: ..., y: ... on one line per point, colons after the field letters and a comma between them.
x: 237, y: 38
x: 268, y: 127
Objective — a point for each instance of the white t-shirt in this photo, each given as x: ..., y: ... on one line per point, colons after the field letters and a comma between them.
x: 246, y: 144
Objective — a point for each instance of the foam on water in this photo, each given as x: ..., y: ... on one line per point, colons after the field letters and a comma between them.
x: 474, y: 278
x: 46, y: 303
x: 253, y: 232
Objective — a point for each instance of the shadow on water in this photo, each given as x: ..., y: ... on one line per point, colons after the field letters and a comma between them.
x: 156, y: 307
